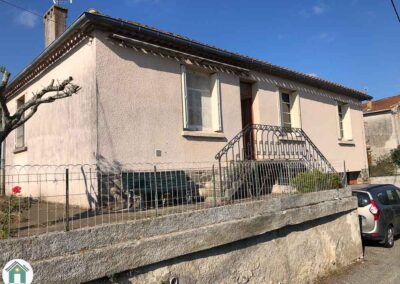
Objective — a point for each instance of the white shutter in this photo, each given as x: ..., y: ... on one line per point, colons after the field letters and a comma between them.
x: 184, y: 98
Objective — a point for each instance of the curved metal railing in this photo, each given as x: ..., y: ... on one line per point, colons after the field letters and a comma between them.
x: 268, y: 142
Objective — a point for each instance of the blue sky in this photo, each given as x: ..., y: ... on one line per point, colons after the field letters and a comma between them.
x: 352, y: 42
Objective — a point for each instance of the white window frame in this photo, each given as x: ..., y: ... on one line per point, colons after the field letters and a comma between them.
x: 16, y: 146
x: 346, y: 122
x: 295, y: 113
x: 215, y: 89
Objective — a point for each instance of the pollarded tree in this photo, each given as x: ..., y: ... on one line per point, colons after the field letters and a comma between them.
x: 25, y: 111
x: 47, y: 95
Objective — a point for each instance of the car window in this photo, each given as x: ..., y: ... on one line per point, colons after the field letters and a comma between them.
x: 382, y: 197
x: 393, y: 196
x: 362, y: 198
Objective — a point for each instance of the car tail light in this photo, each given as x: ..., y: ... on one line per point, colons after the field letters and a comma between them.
x: 374, y: 210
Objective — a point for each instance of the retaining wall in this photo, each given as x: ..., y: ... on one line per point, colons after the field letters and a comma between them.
x: 385, y: 180
x: 324, y: 224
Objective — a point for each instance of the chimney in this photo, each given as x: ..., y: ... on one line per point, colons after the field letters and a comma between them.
x: 369, y: 105
x: 55, y: 23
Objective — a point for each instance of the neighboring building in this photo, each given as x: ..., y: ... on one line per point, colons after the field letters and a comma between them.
x: 150, y: 96
x: 382, y: 125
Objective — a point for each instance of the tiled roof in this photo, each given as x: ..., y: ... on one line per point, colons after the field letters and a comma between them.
x: 182, y: 43
x: 382, y: 104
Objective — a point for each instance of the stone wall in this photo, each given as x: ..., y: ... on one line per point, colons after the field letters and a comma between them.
x: 294, y: 254
x: 395, y: 180
x: 291, y: 237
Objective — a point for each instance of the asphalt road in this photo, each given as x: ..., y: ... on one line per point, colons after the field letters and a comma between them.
x: 380, y: 265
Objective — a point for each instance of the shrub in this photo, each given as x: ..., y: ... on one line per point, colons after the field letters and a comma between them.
x: 315, y: 180
x: 384, y: 166
x: 395, y: 155
x: 10, y: 207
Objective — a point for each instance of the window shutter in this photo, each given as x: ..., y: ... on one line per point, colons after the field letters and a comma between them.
x: 216, y: 93
x: 184, y: 98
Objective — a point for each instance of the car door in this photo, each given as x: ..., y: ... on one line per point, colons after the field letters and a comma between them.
x: 394, y: 201
x: 396, y: 207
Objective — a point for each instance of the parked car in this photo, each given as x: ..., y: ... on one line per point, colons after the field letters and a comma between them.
x: 379, y: 212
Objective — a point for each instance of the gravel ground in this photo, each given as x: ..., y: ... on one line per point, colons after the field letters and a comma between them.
x: 380, y: 265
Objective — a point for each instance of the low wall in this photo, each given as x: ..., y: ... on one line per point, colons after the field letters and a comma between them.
x: 328, y: 237
x: 386, y: 180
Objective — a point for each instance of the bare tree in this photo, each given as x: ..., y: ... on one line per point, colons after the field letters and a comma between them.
x: 47, y: 95
x: 25, y: 112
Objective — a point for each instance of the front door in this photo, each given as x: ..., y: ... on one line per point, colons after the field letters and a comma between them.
x: 246, y: 99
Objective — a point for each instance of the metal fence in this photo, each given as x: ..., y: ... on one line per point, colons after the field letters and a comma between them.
x: 42, y: 199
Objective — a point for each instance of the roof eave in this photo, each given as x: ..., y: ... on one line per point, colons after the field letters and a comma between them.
x: 106, y: 22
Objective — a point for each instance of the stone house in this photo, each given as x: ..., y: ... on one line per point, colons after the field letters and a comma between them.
x: 382, y: 125
x: 150, y: 96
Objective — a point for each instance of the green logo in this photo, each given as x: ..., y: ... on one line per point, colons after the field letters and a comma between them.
x: 17, y: 271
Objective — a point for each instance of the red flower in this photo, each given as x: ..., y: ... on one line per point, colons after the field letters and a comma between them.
x: 16, y: 189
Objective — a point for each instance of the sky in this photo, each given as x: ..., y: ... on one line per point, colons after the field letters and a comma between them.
x: 352, y: 42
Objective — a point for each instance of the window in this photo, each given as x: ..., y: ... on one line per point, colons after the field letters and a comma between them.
x: 382, y: 197
x: 344, y: 122
x: 201, y: 101
x: 341, y: 117
x: 363, y: 199
x: 286, y: 110
x: 20, y: 131
x: 290, y: 109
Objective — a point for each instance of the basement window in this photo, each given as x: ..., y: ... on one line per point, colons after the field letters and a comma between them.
x: 201, y: 101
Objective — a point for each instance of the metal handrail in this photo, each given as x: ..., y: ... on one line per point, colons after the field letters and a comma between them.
x: 269, y: 142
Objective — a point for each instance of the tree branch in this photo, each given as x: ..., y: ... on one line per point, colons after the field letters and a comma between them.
x: 3, y: 85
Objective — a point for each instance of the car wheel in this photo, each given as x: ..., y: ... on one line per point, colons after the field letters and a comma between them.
x: 389, y: 238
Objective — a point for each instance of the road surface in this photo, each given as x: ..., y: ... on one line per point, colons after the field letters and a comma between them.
x: 380, y: 265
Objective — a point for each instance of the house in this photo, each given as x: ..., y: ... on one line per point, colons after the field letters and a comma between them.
x: 17, y: 273
x: 150, y: 96
x: 382, y: 125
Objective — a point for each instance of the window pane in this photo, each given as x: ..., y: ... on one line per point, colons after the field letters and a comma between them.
x: 198, y: 81
x: 285, y: 108
x: 199, y: 101
x: 286, y: 98
x: 20, y: 131
x: 194, y: 107
x: 286, y: 118
x: 363, y: 199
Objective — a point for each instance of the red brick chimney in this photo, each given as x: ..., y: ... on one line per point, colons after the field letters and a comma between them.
x: 55, y: 23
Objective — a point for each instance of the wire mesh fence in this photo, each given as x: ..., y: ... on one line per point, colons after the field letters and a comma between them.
x: 43, y: 199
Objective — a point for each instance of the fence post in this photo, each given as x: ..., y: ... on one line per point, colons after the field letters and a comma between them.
x: 214, y: 189
x: 257, y: 178
x: 67, y: 200
x: 220, y: 178
x: 155, y: 190
x: 345, y: 174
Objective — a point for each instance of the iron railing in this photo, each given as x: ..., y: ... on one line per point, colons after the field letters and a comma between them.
x: 267, y: 142
x: 42, y: 199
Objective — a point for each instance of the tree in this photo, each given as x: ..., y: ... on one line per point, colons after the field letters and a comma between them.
x: 25, y: 112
